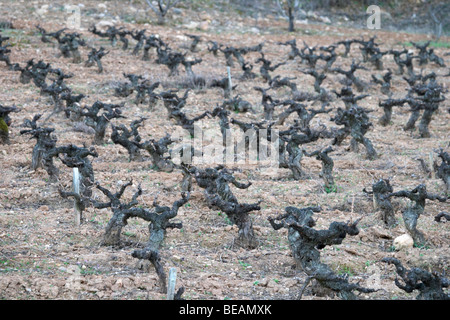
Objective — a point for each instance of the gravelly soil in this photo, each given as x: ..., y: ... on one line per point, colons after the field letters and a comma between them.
x: 44, y: 256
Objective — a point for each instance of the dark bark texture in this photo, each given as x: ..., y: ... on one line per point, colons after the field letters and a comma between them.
x: 430, y: 285
x: 306, y: 242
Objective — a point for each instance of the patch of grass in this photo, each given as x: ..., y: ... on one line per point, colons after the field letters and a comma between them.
x: 244, y: 265
x: 129, y: 234
x: 225, y: 217
x: 422, y: 246
x: 433, y: 44
x: 18, y: 37
x: 391, y: 249
x: 345, y: 270
x: 331, y: 189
